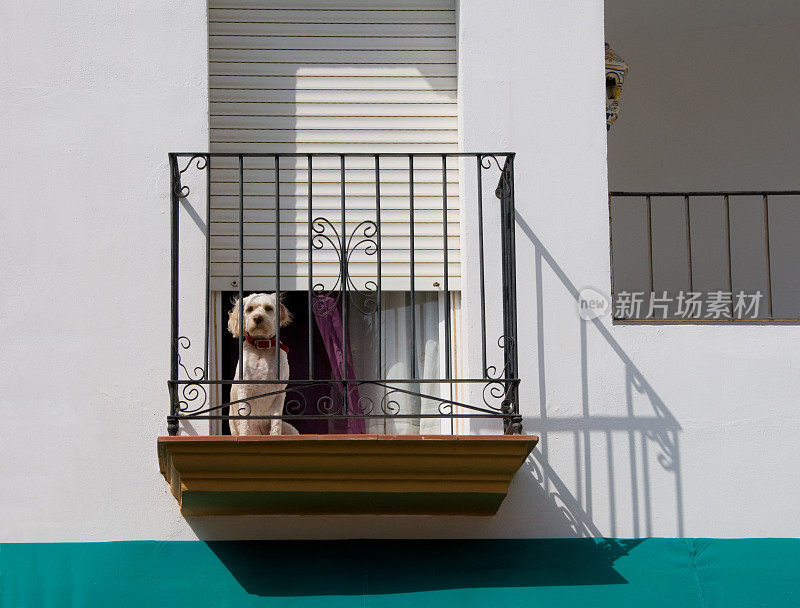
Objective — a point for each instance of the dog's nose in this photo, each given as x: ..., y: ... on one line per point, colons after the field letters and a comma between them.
x: 257, y: 319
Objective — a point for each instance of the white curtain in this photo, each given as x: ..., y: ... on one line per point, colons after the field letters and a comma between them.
x: 396, y: 361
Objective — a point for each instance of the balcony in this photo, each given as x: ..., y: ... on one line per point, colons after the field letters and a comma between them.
x: 383, y: 404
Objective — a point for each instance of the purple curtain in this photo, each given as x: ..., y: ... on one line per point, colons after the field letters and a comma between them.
x: 330, y: 328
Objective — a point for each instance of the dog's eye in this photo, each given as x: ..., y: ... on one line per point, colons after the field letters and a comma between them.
x: 249, y: 309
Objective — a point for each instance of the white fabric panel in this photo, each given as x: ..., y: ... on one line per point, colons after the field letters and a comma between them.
x: 397, y: 361
x: 304, y: 76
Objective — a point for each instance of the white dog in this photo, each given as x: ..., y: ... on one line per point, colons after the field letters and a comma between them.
x: 261, y: 315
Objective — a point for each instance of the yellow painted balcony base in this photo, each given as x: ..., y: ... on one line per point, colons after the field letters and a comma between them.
x: 342, y: 474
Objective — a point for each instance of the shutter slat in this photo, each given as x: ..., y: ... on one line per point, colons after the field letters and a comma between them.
x: 278, y: 17
x: 357, y: 145
x: 331, y: 269
x: 388, y: 229
x: 392, y: 56
x: 267, y: 109
x: 333, y: 44
x: 347, y: 5
x: 356, y: 165
x: 389, y: 256
x: 389, y: 176
x: 341, y: 96
x: 336, y: 27
x: 292, y: 242
x: 352, y: 189
x: 337, y: 122
x: 266, y: 68
x: 365, y: 136
x: 337, y: 83
x: 354, y: 216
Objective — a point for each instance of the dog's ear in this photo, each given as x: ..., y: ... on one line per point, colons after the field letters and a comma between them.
x: 233, y: 319
x: 286, y: 316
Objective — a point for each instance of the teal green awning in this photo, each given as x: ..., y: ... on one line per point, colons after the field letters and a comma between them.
x: 589, y: 573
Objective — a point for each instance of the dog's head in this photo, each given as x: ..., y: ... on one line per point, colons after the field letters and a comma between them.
x: 261, y: 316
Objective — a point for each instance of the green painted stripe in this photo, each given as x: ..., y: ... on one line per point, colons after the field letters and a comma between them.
x: 382, y: 574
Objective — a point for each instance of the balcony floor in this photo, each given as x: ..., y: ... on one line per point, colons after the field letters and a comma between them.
x: 342, y: 474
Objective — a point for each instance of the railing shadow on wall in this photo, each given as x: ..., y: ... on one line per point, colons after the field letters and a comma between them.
x: 651, y: 436
x: 541, y: 502
x: 550, y: 507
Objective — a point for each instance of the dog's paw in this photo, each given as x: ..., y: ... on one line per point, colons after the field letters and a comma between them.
x: 288, y: 429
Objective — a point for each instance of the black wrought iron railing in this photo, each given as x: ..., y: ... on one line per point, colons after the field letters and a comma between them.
x: 705, y: 256
x: 286, y: 220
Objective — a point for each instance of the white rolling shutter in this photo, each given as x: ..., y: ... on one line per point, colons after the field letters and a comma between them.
x: 333, y: 76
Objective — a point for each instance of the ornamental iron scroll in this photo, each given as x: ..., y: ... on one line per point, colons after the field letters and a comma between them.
x: 343, y: 246
x: 193, y: 394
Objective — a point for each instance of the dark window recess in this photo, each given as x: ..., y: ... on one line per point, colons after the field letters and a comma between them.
x: 295, y: 336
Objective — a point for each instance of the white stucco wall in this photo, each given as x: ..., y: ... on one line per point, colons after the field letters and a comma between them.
x: 645, y: 430
x: 94, y: 96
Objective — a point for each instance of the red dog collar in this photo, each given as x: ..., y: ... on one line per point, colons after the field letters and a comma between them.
x: 270, y: 343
